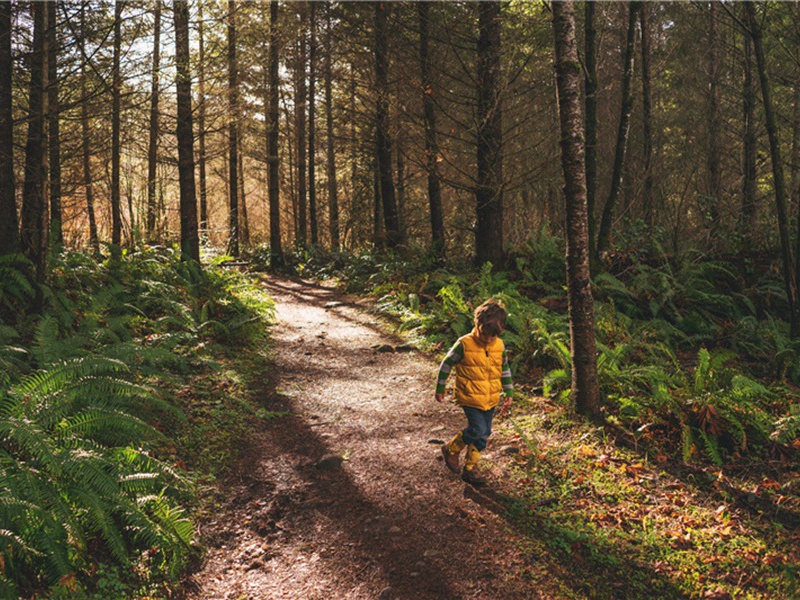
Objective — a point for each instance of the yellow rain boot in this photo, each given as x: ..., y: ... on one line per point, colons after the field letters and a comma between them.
x: 470, y: 473
x: 451, y: 451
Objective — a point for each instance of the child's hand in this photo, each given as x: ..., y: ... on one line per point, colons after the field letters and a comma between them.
x: 507, y: 402
x: 440, y: 397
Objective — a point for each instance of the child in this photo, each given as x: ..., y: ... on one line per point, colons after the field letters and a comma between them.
x: 482, y: 374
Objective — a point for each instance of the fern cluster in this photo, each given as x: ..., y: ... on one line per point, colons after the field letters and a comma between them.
x: 80, y: 477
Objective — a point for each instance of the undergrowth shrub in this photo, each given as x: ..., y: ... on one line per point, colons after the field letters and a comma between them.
x: 81, y: 480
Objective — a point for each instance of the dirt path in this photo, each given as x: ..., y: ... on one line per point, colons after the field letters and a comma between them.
x: 387, y: 521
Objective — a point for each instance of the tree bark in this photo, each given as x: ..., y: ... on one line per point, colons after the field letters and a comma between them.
x: 9, y: 223
x: 590, y: 128
x: 585, y: 386
x: 152, y: 146
x: 53, y: 130
x: 233, y: 134
x: 749, y: 191
x: 604, y: 235
x: 647, y: 118
x: 276, y: 252
x: 383, y: 142
x: 201, y: 120
x: 116, y: 89
x: 714, y: 185
x: 312, y: 125
x: 244, y: 234
x: 790, y: 277
x: 190, y: 243
x: 431, y: 144
x: 489, y: 188
x: 33, y: 205
x: 333, y: 194
x: 301, y: 235
x: 88, y: 182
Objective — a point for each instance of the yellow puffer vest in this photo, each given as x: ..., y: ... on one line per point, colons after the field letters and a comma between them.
x: 478, y: 373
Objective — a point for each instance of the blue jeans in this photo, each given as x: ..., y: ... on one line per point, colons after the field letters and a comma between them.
x: 479, y: 427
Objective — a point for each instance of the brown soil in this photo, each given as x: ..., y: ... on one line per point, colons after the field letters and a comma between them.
x: 347, y: 495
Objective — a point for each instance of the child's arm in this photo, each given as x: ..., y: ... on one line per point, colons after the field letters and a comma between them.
x: 453, y: 357
x: 508, y: 384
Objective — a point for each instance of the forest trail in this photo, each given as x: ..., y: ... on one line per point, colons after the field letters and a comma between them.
x: 345, y: 496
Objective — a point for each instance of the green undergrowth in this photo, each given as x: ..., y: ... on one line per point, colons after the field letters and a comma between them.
x: 119, y: 401
x: 601, y: 520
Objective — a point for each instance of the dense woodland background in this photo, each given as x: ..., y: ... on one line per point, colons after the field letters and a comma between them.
x: 398, y: 146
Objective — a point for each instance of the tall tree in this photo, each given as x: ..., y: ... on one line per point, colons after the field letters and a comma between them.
x: 585, y: 386
x: 489, y: 188
x: 301, y: 96
x: 714, y: 150
x: 233, y: 134
x: 383, y: 142
x: 749, y: 148
x: 53, y: 130
x: 647, y: 118
x: 190, y: 243
x: 88, y: 180
x: 604, y: 234
x: 431, y: 142
x: 201, y: 118
x: 33, y: 206
x: 590, y: 75
x: 790, y: 276
x: 276, y: 252
x: 333, y: 194
x: 116, y: 89
x: 152, y: 146
x: 312, y: 124
x: 9, y: 234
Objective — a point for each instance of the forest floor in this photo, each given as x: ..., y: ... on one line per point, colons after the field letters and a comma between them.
x: 345, y: 495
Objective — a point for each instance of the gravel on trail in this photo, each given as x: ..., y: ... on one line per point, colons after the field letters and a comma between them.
x: 346, y: 496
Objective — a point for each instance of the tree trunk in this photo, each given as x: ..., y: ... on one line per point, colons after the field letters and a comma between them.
x: 378, y: 232
x: 590, y: 33
x: 489, y: 190
x: 431, y: 143
x: 53, y: 130
x: 585, y: 386
x: 382, y: 137
x: 201, y: 120
x: 790, y: 277
x: 401, y: 186
x: 152, y: 146
x: 245, y: 220
x: 33, y: 206
x: 301, y: 235
x: 9, y: 233
x: 88, y: 182
x: 333, y: 199
x: 604, y: 235
x: 714, y: 185
x: 312, y: 125
x: 750, y: 149
x: 116, y: 89
x: 190, y: 243
x: 276, y: 253
x: 233, y: 135
x: 647, y: 118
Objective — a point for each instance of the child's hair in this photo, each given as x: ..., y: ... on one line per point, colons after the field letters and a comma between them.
x: 490, y: 317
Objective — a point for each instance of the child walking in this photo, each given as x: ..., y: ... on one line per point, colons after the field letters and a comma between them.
x: 482, y: 375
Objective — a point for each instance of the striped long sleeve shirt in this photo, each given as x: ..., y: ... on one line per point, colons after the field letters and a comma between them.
x: 455, y: 355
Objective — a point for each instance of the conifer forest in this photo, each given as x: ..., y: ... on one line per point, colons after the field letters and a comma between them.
x: 238, y: 238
